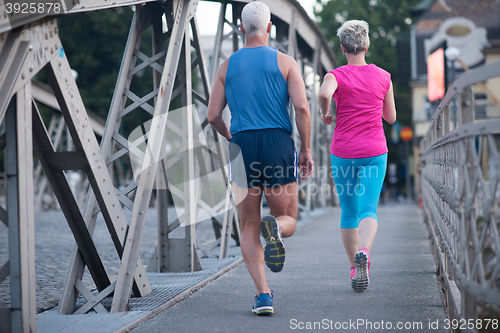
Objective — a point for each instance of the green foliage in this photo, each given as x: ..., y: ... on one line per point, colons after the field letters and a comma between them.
x: 388, y: 20
x: 94, y: 44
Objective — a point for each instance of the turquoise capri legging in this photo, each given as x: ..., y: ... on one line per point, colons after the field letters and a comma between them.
x: 358, y: 182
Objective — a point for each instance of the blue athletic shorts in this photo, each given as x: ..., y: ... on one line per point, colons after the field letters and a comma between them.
x: 358, y: 182
x: 262, y: 158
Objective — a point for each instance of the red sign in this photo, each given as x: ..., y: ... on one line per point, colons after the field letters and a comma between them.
x: 406, y: 133
x: 435, y: 75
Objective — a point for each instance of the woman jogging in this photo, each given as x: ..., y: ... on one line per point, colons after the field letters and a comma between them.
x: 363, y: 95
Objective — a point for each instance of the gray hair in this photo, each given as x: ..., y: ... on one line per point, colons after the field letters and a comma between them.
x: 255, y: 17
x: 353, y: 36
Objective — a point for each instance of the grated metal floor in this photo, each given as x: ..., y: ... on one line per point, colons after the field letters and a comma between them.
x: 166, y: 286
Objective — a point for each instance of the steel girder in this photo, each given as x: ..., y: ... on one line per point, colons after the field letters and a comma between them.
x: 10, y: 19
x: 61, y: 139
x: 176, y: 53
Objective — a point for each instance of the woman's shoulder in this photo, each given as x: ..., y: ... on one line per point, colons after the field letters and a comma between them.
x: 383, y: 75
x: 340, y: 70
x: 379, y: 70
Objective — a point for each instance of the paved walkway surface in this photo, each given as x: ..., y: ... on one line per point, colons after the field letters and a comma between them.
x: 313, y: 290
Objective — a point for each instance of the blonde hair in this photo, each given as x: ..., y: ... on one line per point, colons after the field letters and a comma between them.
x: 255, y: 17
x: 353, y: 36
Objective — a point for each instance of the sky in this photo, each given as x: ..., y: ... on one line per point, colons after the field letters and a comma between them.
x: 208, y: 13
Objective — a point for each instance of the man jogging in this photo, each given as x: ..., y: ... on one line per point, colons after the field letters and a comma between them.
x: 257, y: 82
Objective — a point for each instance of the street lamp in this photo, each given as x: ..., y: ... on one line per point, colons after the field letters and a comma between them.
x: 451, y: 54
x: 74, y: 73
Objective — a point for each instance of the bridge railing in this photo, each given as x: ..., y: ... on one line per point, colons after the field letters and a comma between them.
x: 460, y: 174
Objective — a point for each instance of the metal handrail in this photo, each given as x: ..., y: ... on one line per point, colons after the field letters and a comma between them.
x: 460, y: 166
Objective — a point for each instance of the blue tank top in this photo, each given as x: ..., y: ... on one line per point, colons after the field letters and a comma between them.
x: 256, y: 91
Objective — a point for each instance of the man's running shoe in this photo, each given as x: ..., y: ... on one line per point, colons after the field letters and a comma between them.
x: 274, y: 251
x: 263, y: 304
x: 360, y: 280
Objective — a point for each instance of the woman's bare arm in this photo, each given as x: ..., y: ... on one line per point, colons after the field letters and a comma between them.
x: 328, y: 87
x: 389, y: 109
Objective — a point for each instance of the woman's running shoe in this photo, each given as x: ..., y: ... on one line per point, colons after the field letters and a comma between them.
x: 359, y: 281
x: 274, y: 251
x: 263, y: 304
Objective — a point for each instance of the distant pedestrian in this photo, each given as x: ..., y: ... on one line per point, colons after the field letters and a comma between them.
x: 363, y: 95
x: 257, y: 82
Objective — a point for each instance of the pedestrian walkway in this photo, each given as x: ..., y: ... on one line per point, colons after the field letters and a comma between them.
x: 168, y: 288
x: 313, y: 290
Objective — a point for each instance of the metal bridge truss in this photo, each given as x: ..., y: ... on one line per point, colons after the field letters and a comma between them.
x: 61, y: 139
x: 460, y: 165
x: 29, y: 44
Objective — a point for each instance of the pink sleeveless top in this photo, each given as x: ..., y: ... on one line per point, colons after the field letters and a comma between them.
x: 359, y: 97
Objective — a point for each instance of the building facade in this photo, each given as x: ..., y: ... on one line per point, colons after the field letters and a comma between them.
x: 466, y: 35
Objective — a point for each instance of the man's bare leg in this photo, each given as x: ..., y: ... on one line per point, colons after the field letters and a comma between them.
x: 283, y: 203
x: 251, y: 247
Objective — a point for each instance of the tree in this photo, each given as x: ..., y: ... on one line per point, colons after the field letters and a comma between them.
x: 94, y: 43
x: 388, y: 20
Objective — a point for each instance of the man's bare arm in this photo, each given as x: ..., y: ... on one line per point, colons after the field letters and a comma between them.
x: 297, y: 93
x: 217, y: 104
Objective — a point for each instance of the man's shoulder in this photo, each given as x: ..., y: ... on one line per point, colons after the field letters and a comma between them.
x: 221, y: 72
x: 285, y: 60
x: 285, y: 57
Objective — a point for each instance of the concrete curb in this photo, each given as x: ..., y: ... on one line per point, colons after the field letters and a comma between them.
x: 179, y: 297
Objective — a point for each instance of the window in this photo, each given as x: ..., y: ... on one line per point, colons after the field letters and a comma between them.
x: 480, y: 106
